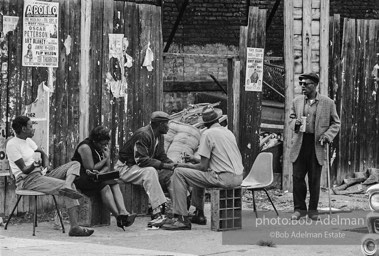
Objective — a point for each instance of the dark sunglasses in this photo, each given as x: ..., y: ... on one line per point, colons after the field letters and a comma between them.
x: 304, y: 83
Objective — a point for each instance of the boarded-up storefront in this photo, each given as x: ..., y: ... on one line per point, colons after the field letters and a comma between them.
x: 100, y: 79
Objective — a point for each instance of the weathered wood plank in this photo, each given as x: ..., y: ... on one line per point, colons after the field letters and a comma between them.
x: 107, y: 99
x: 335, y: 80
x: 314, y: 27
x: 95, y: 77
x: 236, y: 97
x: 324, y: 47
x: 306, y: 35
x: 289, y: 90
x: 299, y: 3
x: 156, y: 20
x: 298, y: 42
x: 85, y: 32
x: 298, y: 13
x: 133, y: 109
x: 73, y: 54
x: 146, y: 81
x: 119, y: 114
x: 347, y: 139
x: 368, y: 124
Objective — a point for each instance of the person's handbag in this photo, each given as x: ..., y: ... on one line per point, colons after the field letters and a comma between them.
x: 107, y: 176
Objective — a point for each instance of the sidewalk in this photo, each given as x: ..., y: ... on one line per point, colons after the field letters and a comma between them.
x: 137, y: 240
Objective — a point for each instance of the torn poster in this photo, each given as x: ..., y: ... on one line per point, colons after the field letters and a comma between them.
x: 254, y: 69
x: 149, y: 58
x: 128, y: 60
x: 38, y: 112
x: 9, y: 23
x: 116, y: 77
x: 4, y: 168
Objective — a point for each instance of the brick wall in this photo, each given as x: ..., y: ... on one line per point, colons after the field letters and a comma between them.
x: 197, y: 68
x: 212, y: 27
x: 205, y: 21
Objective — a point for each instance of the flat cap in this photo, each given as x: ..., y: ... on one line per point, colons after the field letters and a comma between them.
x: 312, y: 76
x: 159, y: 116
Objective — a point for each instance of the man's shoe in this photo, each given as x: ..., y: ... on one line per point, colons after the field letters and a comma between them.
x: 157, y: 222
x: 181, y: 223
x: 199, y: 219
x: 297, y: 215
x: 313, y: 216
x: 80, y: 231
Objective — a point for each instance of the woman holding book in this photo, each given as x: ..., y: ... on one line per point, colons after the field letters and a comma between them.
x: 94, y: 157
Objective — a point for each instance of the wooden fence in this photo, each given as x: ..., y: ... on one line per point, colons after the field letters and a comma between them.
x: 82, y: 99
x: 353, y: 55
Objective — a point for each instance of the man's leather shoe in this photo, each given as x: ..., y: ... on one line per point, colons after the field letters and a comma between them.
x: 199, y: 219
x: 297, y: 215
x: 313, y: 215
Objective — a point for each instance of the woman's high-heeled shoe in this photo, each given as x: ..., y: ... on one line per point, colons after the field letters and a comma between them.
x: 125, y: 220
x: 130, y: 220
x: 121, y: 221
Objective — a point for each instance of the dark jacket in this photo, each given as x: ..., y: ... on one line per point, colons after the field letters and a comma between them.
x: 140, y: 149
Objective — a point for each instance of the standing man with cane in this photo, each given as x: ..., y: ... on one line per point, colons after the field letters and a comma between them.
x: 315, y: 121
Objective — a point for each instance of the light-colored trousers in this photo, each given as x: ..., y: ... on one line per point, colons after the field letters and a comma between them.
x: 147, y: 177
x: 52, y: 182
x: 183, y: 178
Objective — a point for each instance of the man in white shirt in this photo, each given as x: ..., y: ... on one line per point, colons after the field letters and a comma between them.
x: 28, y: 172
x: 220, y: 166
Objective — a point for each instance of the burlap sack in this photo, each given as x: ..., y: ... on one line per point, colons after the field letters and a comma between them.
x: 183, y: 138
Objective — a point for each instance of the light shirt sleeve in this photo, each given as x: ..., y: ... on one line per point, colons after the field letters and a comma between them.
x: 32, y: 144
x: 12, y: 152
x: 206, y: 145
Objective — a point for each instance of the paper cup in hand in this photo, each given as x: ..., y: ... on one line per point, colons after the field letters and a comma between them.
x: 303, y: 123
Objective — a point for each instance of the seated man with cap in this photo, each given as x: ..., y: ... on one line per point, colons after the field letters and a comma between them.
x: 143, y: 161
x: 220, y: 166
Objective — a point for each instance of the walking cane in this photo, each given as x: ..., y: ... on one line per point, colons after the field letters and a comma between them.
x: 327, y: 166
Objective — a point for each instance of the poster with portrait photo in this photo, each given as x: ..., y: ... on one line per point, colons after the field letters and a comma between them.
x: 40, y: 44
x: 254, y: 69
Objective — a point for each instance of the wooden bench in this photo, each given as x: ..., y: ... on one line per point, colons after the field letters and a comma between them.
x: 92, y: 212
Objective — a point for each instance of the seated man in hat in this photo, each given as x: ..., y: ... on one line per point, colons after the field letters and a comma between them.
x: 28, y: 172
x: 220, y: 166
x: 143, y: 161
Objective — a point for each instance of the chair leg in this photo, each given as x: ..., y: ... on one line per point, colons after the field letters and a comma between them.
x: 59, y: 213
x: 35, y: 216
x: 269, y: 198
x: 255, y: 208
x: 14, y: 208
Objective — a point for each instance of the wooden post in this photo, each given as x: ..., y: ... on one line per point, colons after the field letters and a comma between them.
x: 234, y: 68
x: 324, y: 61
x: 251, y: 102
x: 307, y: 36
x: 324, y: 47
x: 289, y: 91
x: 85, y: 31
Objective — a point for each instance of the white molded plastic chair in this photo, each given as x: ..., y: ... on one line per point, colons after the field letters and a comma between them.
x: 260, y: 177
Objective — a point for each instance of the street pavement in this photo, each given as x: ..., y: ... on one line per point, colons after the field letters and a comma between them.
x: 302, y: 239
